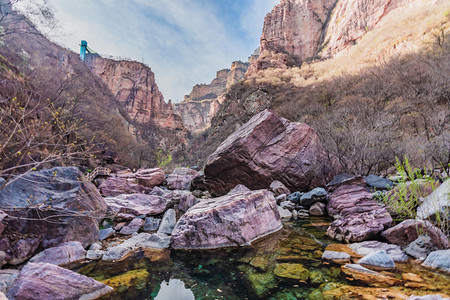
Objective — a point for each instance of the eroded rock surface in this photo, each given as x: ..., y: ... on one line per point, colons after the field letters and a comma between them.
x: 64, y: 254
x: 58, y: 191
x: 233, y: 220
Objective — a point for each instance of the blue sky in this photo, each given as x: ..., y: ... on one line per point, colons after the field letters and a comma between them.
x: 184, y: 41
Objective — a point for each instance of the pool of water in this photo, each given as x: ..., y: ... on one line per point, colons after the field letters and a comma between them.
x: 285, y: 265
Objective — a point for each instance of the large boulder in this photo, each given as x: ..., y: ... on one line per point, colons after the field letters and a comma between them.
x: 436, y: 203
x: 57, y: 205
x: 64, y: 254
x: 265, y: 149
x: 115, y: 186
x: 48, y: 281
x: 137, y: 204
x: 236, y: 219
x: 180, y: 178
x: 409, y: 230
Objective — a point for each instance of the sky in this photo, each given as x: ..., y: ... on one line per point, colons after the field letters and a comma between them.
x: 184, y: 41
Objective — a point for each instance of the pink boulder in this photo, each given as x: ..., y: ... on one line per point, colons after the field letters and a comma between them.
x: 114, y: 186
x: 233, y: 220
x: 265, y: 149
x: 150, y: 177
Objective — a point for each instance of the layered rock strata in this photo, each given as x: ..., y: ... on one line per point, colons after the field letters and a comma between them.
x: 265, y: 149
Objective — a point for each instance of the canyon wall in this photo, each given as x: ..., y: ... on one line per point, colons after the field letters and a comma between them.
x: 301, y: 30
x: 201, y: 105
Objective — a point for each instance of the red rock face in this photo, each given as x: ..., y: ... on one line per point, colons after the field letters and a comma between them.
x: 134, y: 85
x: 303, y: 29
x: 352, y: 19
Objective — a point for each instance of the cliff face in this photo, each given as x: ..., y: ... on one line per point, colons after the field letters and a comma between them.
x: 134, y: 85
x: 300, y: 30
x: 352, y: 19
x: 205, y: 100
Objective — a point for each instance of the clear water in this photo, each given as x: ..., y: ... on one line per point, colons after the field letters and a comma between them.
x: 286, y: 265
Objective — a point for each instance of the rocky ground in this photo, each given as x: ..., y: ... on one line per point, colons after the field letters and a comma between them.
x: 269, y: 172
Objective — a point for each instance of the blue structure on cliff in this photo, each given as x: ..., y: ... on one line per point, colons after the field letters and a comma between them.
x: 87, y: 55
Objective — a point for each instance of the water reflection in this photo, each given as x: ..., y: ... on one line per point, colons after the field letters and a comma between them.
x: 174, y: 289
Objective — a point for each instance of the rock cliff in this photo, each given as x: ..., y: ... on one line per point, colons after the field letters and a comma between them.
x: 301, y: 30
x: 205, y: 100
x: 134, y: 85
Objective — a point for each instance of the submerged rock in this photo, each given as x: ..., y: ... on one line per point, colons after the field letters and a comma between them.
x: 265, y: 149
x: 438, y: 260
x: 370, y: 277
x: 293, y: 272
x: 38, y: 281
x: 336, y: 257
x: 64, y: 254
x: 121, y: 251
x: 233, y: 220
x: 378, y: 260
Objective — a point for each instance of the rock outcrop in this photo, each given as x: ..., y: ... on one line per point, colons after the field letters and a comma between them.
x: 265, y: 149
x: 59, y: 206
x: 233, y: 220
x: 134, y: 85
x: 202, y: 104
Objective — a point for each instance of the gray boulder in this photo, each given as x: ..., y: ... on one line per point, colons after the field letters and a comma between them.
x: 436, y: 203
x: 317, y: 194
x: 438, y: 260
x: 157, y: 241
x: 55, y: 192
x: 64, y: 254
x: 7, y: 278
x: 378, y: 183
x: 420, y: 248
x: 285, y: 214
x: 427, y: 297
x: 94, y: 254
x: 336, y: 257
x: 168, y: 222
x: 368, y: 247
x: 48, y: 281
x: 295, y: 197
x: 288, y: 205
x: 151, y: 224
x: 106, y: 233
x: 378, y: 260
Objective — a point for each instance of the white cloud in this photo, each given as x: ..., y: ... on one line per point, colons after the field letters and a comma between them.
x: 184, y: 41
